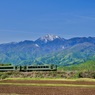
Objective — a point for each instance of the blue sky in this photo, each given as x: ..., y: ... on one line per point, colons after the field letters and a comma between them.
x: 29, y: 19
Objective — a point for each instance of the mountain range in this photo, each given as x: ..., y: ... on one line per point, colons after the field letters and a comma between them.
x: 50, y: 49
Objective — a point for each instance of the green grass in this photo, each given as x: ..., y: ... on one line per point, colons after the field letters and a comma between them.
x: 53, y: 79
x: 32, y: 79
x: 52, y: 85
x: 86, y: 66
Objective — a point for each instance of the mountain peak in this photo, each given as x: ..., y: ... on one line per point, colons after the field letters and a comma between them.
x: 49, y: 37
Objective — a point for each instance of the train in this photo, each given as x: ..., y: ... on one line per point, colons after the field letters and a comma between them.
x: 29, y: 68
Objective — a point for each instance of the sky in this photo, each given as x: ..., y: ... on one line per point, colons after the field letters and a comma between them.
x: 30, y: 19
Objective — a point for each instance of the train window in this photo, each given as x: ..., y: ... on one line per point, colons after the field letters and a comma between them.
x: 30, y: 67
x: 47, y: 66
x: 6, y: 67
x: 16, y: 67
x: 38, y: 67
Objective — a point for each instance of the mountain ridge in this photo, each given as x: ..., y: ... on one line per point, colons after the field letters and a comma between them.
x: 64, y: 51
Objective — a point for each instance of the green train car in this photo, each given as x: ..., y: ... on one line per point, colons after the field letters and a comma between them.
x: 29, y: 68
x: 7, y: 68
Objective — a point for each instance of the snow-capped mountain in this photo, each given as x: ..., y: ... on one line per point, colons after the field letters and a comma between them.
x: 48, y: 38
x: 68, y: 50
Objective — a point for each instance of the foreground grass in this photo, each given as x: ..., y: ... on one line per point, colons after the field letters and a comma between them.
x: 53, y: 79
x: 47, y: 79
x: 51, y: 85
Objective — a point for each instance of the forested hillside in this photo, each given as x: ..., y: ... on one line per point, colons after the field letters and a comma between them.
x: 49, y: 49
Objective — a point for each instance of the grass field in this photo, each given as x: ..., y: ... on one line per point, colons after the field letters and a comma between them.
x: 53, y: 79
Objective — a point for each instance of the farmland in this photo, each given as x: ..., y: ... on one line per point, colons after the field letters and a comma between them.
x: 47, y: 87
x: 47, y: 83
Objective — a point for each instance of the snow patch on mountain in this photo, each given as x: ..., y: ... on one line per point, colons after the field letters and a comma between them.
x: 49, y: 37
x: 36, y: 45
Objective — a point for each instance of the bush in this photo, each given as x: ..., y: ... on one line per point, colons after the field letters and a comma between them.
x: 4, y: 75
x: 87, y: 74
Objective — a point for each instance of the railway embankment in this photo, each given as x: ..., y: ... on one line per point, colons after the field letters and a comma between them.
x: 48, y: 74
